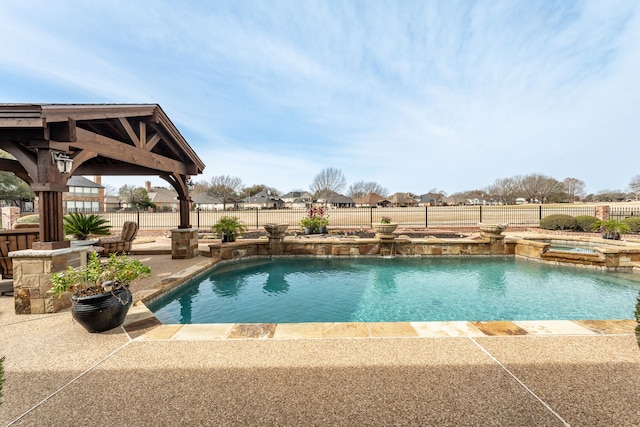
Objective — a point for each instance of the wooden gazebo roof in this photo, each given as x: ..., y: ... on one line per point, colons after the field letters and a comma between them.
x: 101, y: 139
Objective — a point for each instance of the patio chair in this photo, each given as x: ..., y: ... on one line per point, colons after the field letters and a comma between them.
x: 119, y: 244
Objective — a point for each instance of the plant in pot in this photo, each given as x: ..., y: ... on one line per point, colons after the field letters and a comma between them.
x: 82, y: 225
x: 385, y: 227
x: 613, y: 229
x: 228, y: 228
x: 100, y: 291
x: 309, y: 224
x: 316, y: 221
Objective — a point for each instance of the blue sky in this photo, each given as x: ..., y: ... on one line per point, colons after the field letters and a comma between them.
x: 412, y: 95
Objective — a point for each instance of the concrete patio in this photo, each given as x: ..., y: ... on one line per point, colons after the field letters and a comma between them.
x: 58, y: 374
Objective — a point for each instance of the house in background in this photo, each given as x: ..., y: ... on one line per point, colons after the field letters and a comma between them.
x: 401, y: 200
x: 431, y: 199
x: 204, y: 202
x: 340, y: 201
x: 297, y: 200
x: 112, y: 203
x: 263, y: 200
x: 165, y: 199
x: 83, y: 195
x: 371, y: 199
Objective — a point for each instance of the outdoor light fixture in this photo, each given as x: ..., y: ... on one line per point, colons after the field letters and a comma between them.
x: 62, y: 161
x: 190, y: 185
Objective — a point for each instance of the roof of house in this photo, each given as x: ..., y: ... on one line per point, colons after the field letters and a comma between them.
x: 370, y: 199
x: 264, y: 196
x: 402, y: 198
x: 163, y: 195
x: 205, y: 199
x: 81, y: 181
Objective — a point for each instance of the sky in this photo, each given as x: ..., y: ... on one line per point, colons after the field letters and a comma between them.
x: 412, y: 95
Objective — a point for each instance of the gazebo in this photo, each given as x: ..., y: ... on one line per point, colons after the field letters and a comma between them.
x: 52, y: 142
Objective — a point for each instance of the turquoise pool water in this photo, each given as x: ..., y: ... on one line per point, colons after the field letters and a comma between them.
x: 398, y: 289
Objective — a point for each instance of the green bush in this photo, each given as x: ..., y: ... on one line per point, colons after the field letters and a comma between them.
x: 633, y: 223
x: 82, y: 225
x: 558, y: 222
x: 29, y: 219
x: 587, y: 223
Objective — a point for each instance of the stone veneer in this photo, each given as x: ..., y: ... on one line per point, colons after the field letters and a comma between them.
x: 184, y: 243
x: 32, y: 278
x: 362, y: 247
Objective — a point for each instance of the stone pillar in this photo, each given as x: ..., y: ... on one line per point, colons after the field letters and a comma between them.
x: 9, y: 215
x: 602, y: 212
x: 32, y: 271
x: 184, y: 243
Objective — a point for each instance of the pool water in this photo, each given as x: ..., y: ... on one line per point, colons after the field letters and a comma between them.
x: 398, y: 289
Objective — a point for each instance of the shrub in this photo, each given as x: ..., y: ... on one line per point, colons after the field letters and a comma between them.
x: 587, y: 223
x: 29, y: 219
x: 228, y: 227
x: 633, y: 223
x: 558, y: 222
x: 82, y: 225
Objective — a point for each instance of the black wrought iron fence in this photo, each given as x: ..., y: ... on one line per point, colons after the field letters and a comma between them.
x: 409, y: 217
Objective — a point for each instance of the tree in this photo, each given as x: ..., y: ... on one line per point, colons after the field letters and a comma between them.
x: 574, y: 188
x: 361, y: 188
x: 634, y: 186
x: 225, y: 187
x: 136, y: 197
x: 13, y: 190
x: 539, y: 187
x: 505, y: 190
x: 110, y: 190
x: 327, y: 182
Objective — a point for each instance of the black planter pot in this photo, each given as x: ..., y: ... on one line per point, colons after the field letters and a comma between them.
x: 228, y: 237
x: 99, y: 313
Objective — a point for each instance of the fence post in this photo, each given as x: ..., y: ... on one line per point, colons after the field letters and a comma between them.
x: 198, y: 217
x: 480, y: 213
x: 426, y: 216
x: 138, y: 217
x: 257, y: 220
x: 370, y: 216
x: 539, y: 212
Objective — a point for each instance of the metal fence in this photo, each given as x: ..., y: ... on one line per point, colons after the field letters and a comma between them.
x: 410, y: 217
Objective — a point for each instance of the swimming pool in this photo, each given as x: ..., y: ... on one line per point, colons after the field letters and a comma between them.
x: 398, y: 289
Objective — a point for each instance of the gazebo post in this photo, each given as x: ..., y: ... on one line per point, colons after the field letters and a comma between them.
x: 51, y: 184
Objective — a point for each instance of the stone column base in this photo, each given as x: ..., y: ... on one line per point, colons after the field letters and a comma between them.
x: 184, y: 243
x: 32, y: 271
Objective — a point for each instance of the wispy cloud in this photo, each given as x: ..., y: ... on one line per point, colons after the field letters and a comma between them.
x: 414, y: 95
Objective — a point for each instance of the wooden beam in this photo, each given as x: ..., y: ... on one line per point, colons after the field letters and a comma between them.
x: 63, y: 131
x: 143, y: 134
x: 22, y: 122
x: 118, y: 150
x: 80, y: 157
x: 27, y: 158
x: 127, y: 127
x: 153, y: 141
x: 16, y: 168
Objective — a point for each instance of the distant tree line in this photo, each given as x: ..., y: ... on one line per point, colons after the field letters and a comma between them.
x: 536, y: 188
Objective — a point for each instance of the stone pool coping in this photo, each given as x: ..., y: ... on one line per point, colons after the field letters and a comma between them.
x: 141, y: 324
